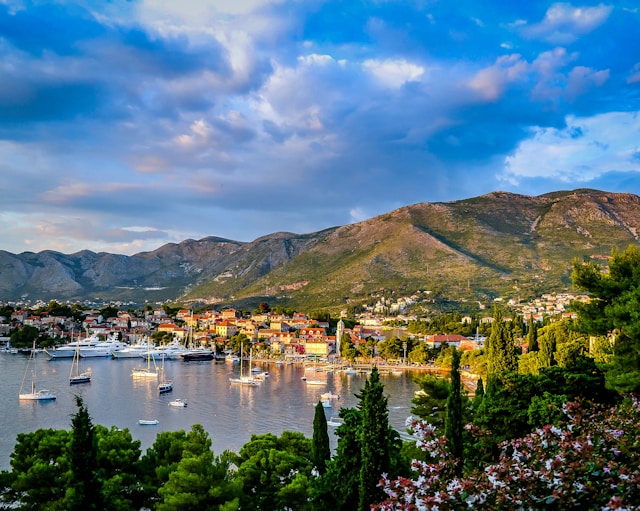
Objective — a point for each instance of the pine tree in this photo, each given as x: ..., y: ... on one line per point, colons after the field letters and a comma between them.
x: 85, y: 490
x: 454, y: 421
x: 320, y: 448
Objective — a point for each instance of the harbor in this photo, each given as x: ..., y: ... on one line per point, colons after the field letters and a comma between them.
x: 229, y: 413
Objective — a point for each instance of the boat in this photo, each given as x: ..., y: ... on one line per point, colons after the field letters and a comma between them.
x: 350, y: 371
x: 148, y: 422
x: 313, y: 382
x: 104, y: 348
x: 249, y: 381
x: 35, y: 394
x: 172, y: 351
x: 196, y: 353
x: 165, y: 385
x: 329, y: 395
x: 178, y: 403
x: 335, y: 421
x: 146, y: 372
x: 68, y: 350
x: 326, y: 403
x: 136, y: 350
x: 75, y: 376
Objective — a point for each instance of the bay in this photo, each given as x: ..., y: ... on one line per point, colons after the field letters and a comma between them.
x: 229, y: 413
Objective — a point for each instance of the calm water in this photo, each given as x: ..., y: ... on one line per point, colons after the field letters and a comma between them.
x: 229, y: 413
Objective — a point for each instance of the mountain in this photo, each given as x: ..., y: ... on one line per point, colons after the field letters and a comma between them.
x: 499, y: 244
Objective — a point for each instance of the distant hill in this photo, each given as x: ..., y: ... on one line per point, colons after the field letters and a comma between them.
x: 499, y: 244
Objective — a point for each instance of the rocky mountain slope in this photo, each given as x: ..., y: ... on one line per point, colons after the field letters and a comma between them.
x: 498, y: 244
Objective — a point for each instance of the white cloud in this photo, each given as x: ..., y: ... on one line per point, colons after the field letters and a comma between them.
x: 584, y: 150
x: 394, y: 73
x: 564, y: 23
x: 490, y: 82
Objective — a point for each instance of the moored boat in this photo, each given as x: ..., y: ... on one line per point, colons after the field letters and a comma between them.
x: 148, y: 422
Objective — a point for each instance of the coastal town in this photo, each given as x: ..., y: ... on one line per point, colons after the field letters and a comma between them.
x: 274, y: 334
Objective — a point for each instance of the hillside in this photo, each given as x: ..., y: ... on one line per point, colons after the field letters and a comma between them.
x: 497, y: 244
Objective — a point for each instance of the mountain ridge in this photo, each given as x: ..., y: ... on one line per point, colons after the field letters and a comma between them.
x: 471, y: 249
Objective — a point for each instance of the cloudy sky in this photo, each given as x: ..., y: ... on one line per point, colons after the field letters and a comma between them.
x: 125, y: 125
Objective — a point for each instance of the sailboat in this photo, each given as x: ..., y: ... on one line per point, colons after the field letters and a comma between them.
x: 314, y: 381
x: 165, y: 385
x: 75, y: 376
x: 245, y: 380
x: 146, y: 372
x: 34, y: 395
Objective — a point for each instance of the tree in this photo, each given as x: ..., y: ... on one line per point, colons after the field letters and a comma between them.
x: 337, y: 489
x: 84, y: 492
x: 430, y: 402
x: 118, y: 469
x: 454, y: 423
x: 40, y: 470
x: 379, y: 442
x: 275, y: 472
x: 320, y: 448
x: 500, y: 348
x: 200, y: 480
x: 614, y: 308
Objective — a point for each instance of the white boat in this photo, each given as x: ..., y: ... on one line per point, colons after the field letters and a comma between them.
x: 350, y: 371
x: 172, y: 351
x: 35, y: 394
x: 315, y: 382
x: 68, y: 350
x: 148, y: 371
x: 136, y: 350
x: 104, y: 348
x: 178, y: 403
x: 335, y: 421
x: 326, y: 403
x: 249, y: 381
x: 75, y: 376
x: 329, y: 395
x: 148, y: 422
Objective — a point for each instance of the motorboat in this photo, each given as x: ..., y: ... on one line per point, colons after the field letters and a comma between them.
x: 178, y: 403
x: 68, y: 350
x: 136, y: 350
x: 104, y: 348
x: 148, y: 422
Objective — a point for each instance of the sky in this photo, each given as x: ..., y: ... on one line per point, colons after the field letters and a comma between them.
x: 126, y: 125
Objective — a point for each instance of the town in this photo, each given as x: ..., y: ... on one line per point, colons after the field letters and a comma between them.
x: 373, y: 335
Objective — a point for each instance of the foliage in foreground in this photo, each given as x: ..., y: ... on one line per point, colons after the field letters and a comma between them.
x: 591, y: 460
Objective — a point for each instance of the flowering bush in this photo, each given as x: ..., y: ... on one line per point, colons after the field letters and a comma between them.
x: 592, y: 461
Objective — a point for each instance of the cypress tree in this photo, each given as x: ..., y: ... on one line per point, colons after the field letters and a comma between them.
x: 375, y: 441
x: 320, y: 448
x: 85, y: 489
x: 532, y: 335
x: 454, y: 422
x: 501, y: 351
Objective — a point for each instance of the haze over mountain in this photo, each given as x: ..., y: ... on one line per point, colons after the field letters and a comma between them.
x: 499, y: 244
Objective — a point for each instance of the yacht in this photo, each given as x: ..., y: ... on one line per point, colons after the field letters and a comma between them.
x: 104, y: 348
x: 136, y: 350
x: 68, y: 350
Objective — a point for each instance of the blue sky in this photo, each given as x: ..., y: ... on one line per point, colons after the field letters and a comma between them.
x: 125, y: 125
